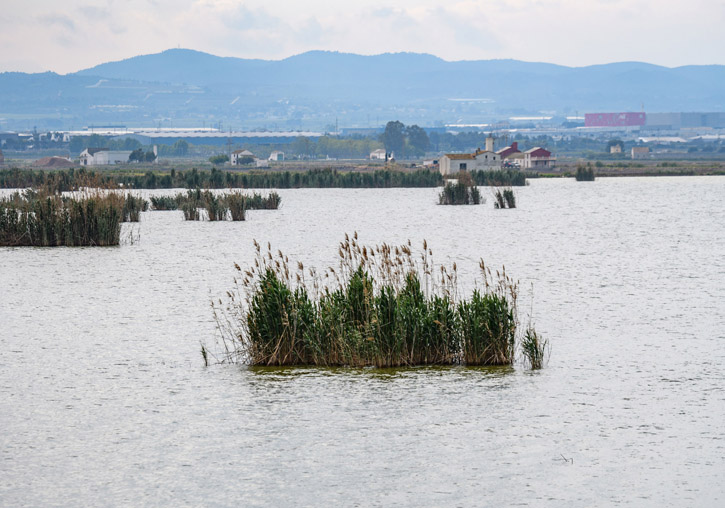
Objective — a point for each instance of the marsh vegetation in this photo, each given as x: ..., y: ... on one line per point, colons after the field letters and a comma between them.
x: 382, y: 306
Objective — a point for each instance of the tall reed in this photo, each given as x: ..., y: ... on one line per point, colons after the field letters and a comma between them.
x: 584, y: 173
x: 504, y: 198
x: 463, y: 192
x: 50, y: 220
x: 132, y: 208
x: 383, y: 306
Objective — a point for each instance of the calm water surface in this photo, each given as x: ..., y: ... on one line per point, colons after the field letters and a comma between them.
x: 105, y: 401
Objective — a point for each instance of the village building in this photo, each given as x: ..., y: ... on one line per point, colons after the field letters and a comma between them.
x: 615, y: 148
x: 509, y: 151
x: 378, y: 154
x: 640, y: 152
x: 537, y: 158
x: 276, y: 156
x: 480, y: 160
x: 103, y: 157
x: 242, y: 157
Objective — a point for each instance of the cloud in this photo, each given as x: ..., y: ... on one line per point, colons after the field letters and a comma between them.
x: 55, y: 19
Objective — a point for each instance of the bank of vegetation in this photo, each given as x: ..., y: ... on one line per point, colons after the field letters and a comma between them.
x: 72, y: 179
x: 584, y: 173
x: 382, y: 306
x: 50, y: 220
x: 463, y: 192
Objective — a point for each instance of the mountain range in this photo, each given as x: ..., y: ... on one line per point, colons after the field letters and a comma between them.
x: 181, y: 87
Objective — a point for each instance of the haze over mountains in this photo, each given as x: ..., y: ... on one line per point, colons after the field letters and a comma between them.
x: 182, y: 87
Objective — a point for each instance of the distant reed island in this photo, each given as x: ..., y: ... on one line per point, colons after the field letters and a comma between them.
x: 381, y: 306
x: 93, y: 216
x: 71, y: 179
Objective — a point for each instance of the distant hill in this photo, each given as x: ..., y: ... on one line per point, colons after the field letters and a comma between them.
x: 187, y: 87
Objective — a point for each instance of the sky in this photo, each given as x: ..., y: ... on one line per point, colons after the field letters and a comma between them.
x: 67, y: 36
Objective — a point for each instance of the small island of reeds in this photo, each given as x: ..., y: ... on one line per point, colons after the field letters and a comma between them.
x: 584, y: 173
x: 383, y: 306
x: 462, y: 192
x: 41, y: 219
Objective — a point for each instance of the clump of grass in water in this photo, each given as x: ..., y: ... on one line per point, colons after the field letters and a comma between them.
x: 534, y: 348
x: 43, y: 219
x: 385, y: 307
x: 584, y: 173
x: 218, y: 207
x: 164, y: 203
x: 132, y: 208
x: 504, y: 198
x: 463, y: 192
x: 236, y: 202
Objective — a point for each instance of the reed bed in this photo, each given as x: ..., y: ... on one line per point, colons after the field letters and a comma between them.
x: 231, y: 205
x: 42, y: 219
x: 382, y: 306
x: 132, y: 208
x: 584, y: 173
x: 534, y: 349
x: 463, y: 192
x: 504, y: 198
x: 164, y: 203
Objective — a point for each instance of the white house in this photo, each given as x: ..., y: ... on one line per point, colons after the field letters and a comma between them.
x: 241, y: 157
x: 276, y: 156
x: 483, y: 160
x: 378, y: 154
x: 103, y: 157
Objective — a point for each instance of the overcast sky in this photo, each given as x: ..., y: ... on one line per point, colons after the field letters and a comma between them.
x: 69, y: 35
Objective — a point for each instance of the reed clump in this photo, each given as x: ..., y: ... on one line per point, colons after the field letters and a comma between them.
x: 42, y: 219
x: 132, y: 208
x: 584, y: 173
x: 504, y: 198
x: 463, y: 192
x: 164, y: 203
x: 534, y: 349
x: 231, y: 205
x: 383, y: 306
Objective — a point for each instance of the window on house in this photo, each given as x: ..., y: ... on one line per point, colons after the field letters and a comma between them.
x: 463, y: 166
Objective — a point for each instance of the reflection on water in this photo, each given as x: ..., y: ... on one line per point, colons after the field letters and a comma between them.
x: 106, y: 401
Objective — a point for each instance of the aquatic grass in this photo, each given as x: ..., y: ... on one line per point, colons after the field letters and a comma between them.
x: 164, y: 203
x: 132, y: 208
x: 504, y: 198
x: 534, y: 349
x: 463, y: 192
x: 236, y: 203
x: 49, y: 220
x: 382, y: 306
x: 584, y: 173
x: 231, y: 205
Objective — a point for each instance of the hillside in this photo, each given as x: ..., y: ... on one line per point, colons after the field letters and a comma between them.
x: 311, y: 90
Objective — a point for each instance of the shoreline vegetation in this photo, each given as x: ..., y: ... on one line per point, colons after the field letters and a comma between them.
x: 72, y: 179
x: 382, y: 306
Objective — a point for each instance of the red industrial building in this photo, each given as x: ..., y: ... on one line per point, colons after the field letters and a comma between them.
x: 614, y: 119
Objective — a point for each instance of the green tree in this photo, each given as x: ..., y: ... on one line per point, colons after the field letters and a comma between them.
x: 417, y: 140
x: 219, y: 159
x: 137, y: 155
x: 181, y: 148
x: 394, y: 137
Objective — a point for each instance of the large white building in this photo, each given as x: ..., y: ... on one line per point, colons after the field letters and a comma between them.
x: 103, y: 157
x: 480, y: 160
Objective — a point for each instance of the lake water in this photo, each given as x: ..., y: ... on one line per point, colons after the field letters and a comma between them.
x: 106, y: 402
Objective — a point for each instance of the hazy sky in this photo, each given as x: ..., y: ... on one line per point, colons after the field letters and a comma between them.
x: 65, y: 36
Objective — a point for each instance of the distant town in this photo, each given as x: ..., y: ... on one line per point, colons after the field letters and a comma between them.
x: 515, y: 143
